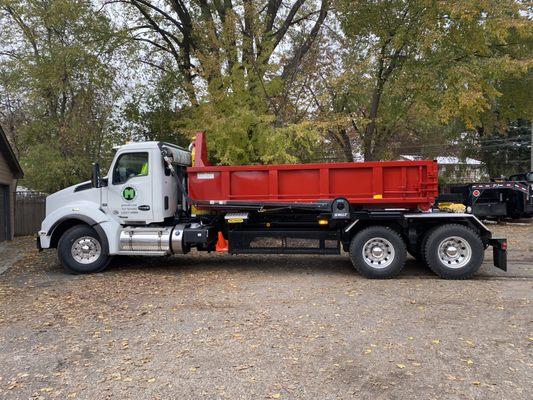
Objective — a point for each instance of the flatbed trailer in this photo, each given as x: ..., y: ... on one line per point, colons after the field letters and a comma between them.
x: 505, y: 199
x: 155, y: 202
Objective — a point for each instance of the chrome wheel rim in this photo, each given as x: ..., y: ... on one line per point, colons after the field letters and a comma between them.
x: 378, y: 253
x: 86, y: 250
x: 454, y: 252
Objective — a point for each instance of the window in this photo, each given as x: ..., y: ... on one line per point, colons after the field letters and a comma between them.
x: 130, y: 165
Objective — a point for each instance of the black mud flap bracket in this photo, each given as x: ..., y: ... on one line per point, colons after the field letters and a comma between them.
x: 38, y: 244
x: 499, y: 251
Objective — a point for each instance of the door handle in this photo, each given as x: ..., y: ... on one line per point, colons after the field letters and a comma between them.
x: 144, y: 207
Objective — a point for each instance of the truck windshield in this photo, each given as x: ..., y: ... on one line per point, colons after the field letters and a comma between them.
x: 130, y: 165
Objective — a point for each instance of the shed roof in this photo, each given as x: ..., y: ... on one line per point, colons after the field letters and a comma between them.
x: 7, y: 151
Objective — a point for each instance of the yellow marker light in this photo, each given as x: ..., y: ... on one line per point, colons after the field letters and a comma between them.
x: 322, y: 222
x: 378, y: 196
x: 235, y: 220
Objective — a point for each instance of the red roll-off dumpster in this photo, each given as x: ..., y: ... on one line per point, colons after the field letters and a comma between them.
x: 366, y: 185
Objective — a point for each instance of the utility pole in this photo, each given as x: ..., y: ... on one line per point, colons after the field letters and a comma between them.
x: 531, y: 147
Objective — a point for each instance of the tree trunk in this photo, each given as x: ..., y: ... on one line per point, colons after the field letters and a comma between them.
x: 346, y: 145
x: 343, y: 141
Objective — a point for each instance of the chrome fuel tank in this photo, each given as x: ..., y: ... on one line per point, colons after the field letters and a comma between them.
x: 152, y: 240
x: 137, y: 239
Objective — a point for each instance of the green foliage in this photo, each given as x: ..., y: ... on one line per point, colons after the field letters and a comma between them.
x: 58, y: 54
x: 240, y: 135
x: 234, y: 64
x: 265, y: 80
x: 442, y: 61
x: 152, y: 113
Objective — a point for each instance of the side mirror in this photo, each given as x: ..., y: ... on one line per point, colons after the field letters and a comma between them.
x: 96, y: 181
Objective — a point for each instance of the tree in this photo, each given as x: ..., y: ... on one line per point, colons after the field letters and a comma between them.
x: 233, y: 64
x: 440, y: 59
x: 58, y: 84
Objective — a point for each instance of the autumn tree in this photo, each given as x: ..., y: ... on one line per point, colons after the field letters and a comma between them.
x: 57, y: 84
x: 234, y: 63
x: 438, y: 60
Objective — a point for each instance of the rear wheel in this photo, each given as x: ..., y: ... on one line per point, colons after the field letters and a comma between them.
x: 454, y: 251
x: 81, y: 250
x: 378, y: 252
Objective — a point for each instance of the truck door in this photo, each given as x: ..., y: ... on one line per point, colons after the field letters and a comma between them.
x: 130, y: 188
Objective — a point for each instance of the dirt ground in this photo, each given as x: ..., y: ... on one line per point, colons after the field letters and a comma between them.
x: 265, y: 327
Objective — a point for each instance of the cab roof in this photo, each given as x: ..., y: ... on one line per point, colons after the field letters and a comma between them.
x: 146, y: 145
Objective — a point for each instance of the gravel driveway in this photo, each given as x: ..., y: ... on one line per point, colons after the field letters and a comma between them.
x: 259, y: 327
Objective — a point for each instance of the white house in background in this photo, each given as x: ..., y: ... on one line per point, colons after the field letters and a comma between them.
x: 456, y: 170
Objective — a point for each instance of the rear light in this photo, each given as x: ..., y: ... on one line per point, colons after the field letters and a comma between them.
x: 504, y: 245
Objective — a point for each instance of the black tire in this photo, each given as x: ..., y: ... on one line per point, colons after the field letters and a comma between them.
x: 468, y: 240
x: 362, y: 263
x: 64, y: 250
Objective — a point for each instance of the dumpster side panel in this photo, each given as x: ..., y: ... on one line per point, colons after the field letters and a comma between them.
x: 407, y: 184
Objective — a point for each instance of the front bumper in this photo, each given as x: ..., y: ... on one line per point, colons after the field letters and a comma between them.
x: 499, y: 252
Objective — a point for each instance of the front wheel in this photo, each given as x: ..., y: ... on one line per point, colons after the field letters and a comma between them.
x: 378, y: 252
x: 81, y: 250
x: 454, y: 251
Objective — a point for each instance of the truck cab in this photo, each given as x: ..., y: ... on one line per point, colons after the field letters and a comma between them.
x: 139, y: 191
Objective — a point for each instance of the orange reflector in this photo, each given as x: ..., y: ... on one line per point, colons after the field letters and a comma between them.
x: 322, y: 222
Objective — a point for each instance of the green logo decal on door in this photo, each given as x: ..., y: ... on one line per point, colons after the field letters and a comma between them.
x: 128, y: 193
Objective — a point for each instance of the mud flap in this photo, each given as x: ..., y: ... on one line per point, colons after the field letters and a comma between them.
x: 499, y: 251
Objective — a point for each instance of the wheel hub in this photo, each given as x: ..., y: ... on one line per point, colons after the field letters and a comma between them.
x: 86, y: 250
x: 454, y: 252
x: 378, y: 253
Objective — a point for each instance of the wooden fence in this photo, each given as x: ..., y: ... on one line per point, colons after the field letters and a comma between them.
x: 29, y: 212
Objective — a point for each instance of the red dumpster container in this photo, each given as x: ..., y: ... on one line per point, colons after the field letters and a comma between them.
x: 384, y: 184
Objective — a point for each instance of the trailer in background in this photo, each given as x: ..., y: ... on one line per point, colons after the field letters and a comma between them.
x: 512, y: 198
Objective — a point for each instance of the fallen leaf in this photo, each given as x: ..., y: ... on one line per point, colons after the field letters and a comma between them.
x: 469, y: 362
x: 477, y: 383
x: 401, y: 366
x: 151, y: 380
x: 435, y: 341
x: 241, y: 367
x: 275, y: 396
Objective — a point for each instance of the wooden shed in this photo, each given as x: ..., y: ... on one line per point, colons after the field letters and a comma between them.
x: 10, y: 172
